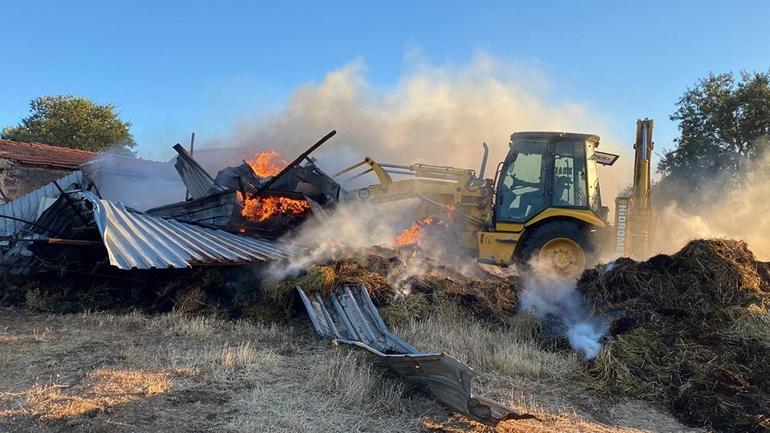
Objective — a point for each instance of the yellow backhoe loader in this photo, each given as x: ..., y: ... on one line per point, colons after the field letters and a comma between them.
x: 543, y: 203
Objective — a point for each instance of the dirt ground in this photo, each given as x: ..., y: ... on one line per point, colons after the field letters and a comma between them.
x: 98, y: 372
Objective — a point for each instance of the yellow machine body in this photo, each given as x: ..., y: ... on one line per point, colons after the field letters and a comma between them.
x: 498, y: 247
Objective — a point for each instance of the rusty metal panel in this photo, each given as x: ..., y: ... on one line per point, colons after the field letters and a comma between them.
x: 349, y: 316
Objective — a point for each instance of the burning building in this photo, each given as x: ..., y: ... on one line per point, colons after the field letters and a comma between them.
x: 98, y: 213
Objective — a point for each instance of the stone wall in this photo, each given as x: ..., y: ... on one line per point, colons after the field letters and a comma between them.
x: 18, y: 179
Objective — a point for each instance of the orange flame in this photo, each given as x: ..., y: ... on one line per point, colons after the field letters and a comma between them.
x: 263, y: 208
x: 415, y: 232
x: 266, y: 163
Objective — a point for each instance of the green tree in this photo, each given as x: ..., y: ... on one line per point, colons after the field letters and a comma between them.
x: 71, y: 121
x: 724, y: 123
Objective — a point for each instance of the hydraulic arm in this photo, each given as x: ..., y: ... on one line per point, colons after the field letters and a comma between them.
x: 446, y: 192
x: 633, y: 214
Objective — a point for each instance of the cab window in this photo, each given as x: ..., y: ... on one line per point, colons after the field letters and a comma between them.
x: 594, y: 195
x: 569, y: 175
x: 523, y: 183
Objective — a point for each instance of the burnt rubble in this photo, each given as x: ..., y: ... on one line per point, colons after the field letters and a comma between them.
x: 222, y: 221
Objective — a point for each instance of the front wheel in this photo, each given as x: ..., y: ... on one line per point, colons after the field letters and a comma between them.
x: 559, y: 247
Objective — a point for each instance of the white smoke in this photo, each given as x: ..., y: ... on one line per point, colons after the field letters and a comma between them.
x: 723, y: 210
x: 352, y: 226
x: 433, y: 114
x: 585, y: 337
x: 555, y: 299
x: 136, y: 182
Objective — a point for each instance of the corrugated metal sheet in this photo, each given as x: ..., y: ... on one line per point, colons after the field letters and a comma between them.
x: 135, y: 240
x: 350, y: 317
x: 27, y: 207
x: 197, y: 180
x: 353, y: 317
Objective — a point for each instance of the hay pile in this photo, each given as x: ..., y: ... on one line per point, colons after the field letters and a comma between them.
x: 693, y: 333
x: 407, y: 286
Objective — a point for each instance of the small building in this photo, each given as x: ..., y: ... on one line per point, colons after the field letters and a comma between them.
x: 25, y: 167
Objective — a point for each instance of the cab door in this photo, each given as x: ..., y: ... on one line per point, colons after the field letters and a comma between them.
x: 570, y: 182
x: 521, y: 191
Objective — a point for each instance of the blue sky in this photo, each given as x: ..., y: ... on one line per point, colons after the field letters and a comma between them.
x: 177, y: 66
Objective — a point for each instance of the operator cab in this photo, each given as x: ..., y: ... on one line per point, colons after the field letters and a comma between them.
x: 550, y: 170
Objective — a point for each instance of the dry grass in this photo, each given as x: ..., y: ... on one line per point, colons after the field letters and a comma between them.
x: 125, y: 373
x: 295, y: 409
x: 335, y: 392
x: 233, y: 357
x: 177, y: 323
x: 242, y: 356
x: 355, y: 382
x: 754, y: 324
x: 102, y: 389
x: 547, y: 423
x: 509, y: 349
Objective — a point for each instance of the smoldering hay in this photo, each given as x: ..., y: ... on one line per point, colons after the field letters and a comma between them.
x: 691, y: 332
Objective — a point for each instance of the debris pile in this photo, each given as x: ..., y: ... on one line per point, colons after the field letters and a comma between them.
x: 209, y: 290
x: 233, y: 220
x: 692, y: 332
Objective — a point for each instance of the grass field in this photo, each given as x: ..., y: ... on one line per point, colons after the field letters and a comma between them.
x: 99, y: 372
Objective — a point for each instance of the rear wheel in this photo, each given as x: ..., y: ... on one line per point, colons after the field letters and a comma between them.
x: 560, y: 247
